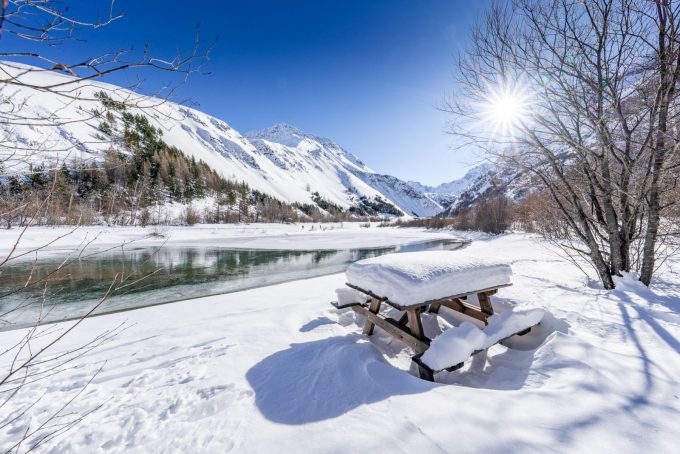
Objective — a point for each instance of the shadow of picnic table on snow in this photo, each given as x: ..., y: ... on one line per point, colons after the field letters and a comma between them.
x: 326, y: 378
x: 313, y: 324
x: 323, y: 379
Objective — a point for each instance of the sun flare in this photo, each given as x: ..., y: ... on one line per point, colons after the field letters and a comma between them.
x: 506, y: 109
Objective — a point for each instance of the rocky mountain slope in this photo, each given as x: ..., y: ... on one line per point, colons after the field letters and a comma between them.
x: 447, y: 193
x: 480, y: 181
x: 281, y: 161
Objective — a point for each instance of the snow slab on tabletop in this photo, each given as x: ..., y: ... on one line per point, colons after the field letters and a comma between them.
x: 277, y: 369
x: 415, y: 277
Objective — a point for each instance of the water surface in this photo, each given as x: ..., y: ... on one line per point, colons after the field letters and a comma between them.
x: 153, y: 275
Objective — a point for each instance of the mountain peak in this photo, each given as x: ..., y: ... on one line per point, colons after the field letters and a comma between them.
x: 280, y: 161
x: 282, y: 133
x: 290, y: 135
x: 283, y: 128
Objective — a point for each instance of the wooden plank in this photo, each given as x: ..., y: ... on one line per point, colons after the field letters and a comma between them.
x: 456, y: 367
x: 393, y: 328
x: 459, y: 365
x: 425, y: 372
x: 415, y: 325
x: 343, y: 306
x: 458, y: 306
x: 367, y: 292
x: 374, y: 308
x: 485, y: 302
x: 490, y: 290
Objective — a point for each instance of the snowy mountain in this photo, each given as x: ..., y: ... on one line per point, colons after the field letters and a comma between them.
x: 281, y: 161
x: 338, y: 175
x: 446, y: 193
x: 480, y: 181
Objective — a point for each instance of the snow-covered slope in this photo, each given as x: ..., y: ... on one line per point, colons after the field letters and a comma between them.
x: 280, y: 161
x: 275, y: 369
x: 320, y: 165
x: 446, y: 193
x: 480, y: 181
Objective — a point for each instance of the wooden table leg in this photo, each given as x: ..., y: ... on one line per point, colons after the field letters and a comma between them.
x: 393, y: 328
x: 369, y: 325
x: 425, y: 373
x: 415, y: 325
x: 485, y: 303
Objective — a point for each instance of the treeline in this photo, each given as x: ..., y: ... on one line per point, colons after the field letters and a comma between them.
x: 497, y: 213
x: 138, y: 175
x: 537, y: 212
x: 491, y: 214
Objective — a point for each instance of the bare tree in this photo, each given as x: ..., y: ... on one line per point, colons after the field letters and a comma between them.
x: 493, y: 214
x: 582, y: 95
x: 664, y: 168
x: 44, y: 24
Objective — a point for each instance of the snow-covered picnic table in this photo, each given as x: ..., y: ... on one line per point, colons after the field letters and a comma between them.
x: 417, y: 282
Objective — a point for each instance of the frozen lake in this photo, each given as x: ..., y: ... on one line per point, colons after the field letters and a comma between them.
x: 154, y: 275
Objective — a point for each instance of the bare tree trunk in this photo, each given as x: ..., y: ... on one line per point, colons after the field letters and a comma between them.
x: 669, y: 66
x: 653, y: 206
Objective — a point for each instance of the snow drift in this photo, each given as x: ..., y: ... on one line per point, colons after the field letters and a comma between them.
x: 455, y: 345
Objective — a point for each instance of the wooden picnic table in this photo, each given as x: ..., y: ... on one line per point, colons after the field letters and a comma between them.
x: 409, y: 327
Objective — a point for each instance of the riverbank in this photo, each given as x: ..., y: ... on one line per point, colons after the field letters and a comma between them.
x: 276, y: 369
x: 303, y: 236
x: 158, y: 267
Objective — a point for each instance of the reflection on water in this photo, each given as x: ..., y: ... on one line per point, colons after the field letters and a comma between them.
x: 155, y: 276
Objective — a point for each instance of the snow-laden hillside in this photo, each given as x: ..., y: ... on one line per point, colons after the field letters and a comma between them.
x: 446, y: 193
x: 321, y: 165
x: 480, y: 181
x: 281, y: 161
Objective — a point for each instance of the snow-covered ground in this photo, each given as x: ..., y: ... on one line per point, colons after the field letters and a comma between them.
x: 302, y: 236
x: 276, y: 369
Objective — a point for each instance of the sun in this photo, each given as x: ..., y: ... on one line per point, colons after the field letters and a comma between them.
x: 505, y: 109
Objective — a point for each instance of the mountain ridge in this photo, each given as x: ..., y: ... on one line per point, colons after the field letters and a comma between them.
x: 281, y: 161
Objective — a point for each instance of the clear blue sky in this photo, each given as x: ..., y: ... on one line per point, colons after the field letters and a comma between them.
x: 367, y: 74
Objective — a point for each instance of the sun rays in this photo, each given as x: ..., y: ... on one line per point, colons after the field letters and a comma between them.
x: 505, y: 110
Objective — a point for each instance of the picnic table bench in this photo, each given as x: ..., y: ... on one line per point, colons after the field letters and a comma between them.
x: 446, y: 278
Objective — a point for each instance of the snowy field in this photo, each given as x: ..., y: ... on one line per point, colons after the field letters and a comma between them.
x: 303, y: 236
x: 277, y: 369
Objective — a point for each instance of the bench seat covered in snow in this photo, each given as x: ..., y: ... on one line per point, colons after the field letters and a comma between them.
x: 416, y: 282
x: 452, y: 347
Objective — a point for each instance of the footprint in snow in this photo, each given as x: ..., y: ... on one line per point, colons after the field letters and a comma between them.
x: 212, y: 391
